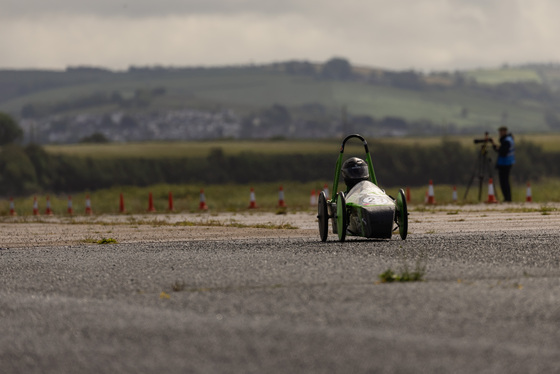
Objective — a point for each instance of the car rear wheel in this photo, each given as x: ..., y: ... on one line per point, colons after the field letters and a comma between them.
x: 323, y: 216
x: 402, y: 214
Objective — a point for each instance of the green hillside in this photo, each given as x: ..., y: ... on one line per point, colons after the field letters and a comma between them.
x: 505, y: 75
x: 466, y: 102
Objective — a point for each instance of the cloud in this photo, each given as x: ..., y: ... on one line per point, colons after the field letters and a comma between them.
x: 146, y: 8
x: 399, y: 34
x: 201, y: 40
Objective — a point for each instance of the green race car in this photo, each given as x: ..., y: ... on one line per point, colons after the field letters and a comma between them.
x: 364, y: 210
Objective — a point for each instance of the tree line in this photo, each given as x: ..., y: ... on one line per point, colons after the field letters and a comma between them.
x: 30, y: 169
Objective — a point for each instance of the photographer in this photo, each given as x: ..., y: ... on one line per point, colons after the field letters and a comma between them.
x: 506, y: 159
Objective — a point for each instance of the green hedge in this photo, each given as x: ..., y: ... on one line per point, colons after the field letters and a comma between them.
x: 31, y: 169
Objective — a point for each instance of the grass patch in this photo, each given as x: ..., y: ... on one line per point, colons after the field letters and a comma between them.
x: 417, y: 275
x: 164, y: 295
x: 282, y: 226
x: 90, y: 240
x: 135, y: 223
x: 107, y: 241
x: 162, y: 149
x: 504, y: 75
x: 178, y: 286
x: 545, y: 210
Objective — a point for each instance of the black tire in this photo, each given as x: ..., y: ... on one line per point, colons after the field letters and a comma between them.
x: 341, y: 216
x: 323, y: 216
x: 402, y: 214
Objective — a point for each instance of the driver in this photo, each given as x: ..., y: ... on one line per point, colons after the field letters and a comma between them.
x: 354, y: 170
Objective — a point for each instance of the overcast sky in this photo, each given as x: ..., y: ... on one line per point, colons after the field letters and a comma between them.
x: 394, y: 34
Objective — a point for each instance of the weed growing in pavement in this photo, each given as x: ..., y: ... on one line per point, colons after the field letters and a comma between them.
x: 178, y: 286
x: 90, y: 240
x: 156, y: 223
x: 417, y: 275
x: 420, y: 209
x: 281, y: 226
x: 107, y: 241
x: 545, y: 210
x: 164, y: 295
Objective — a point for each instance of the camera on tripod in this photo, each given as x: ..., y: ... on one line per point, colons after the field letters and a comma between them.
x: 483, y: 166
x: 484, y: 140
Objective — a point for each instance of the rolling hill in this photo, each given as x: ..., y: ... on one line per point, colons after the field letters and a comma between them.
x: 525, y: 98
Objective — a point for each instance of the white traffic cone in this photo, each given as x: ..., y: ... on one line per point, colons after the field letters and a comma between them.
x: 326, y: 190
x: 88, y: 206
x: 49, y: 211
x: 313, y: 198
x: 529, y: 195
x: 12, y: 207
x: 70, y: 210
x: 35, y: 206
x: 253, y: 200
x: 281, y: 203
x: 431, y: 197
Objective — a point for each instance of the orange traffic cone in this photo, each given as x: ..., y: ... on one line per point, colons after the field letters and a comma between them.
x: 12, y: 207
x: 121, y: 204
x: 170, y: 201
x: 431, y: 197
x: 49, y: 211
x: 253, y: 202
x: 491, y: 196
x: 313, y: 198
x: 35, y: 206
x: 70, y: 210
x: 202, y: 205
x: 88, y: 205
x: 408, y: 194
x: 281, y: 203
x: 529, y: 195
x: 454, y: 194
x: 151, y: 207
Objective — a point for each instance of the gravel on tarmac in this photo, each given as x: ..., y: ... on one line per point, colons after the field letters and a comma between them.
x: 229, y: 299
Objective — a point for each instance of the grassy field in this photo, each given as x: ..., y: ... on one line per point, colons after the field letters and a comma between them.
x: 236, y: 198
x: 549, y: 142
x: 248, y: 91
x: 497, y: 76
x: 197, y: 149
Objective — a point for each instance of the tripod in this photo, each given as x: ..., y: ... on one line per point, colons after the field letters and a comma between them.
x: 482, y: 169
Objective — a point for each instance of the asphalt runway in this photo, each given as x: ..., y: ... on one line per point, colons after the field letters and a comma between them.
x: 489, y: 302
